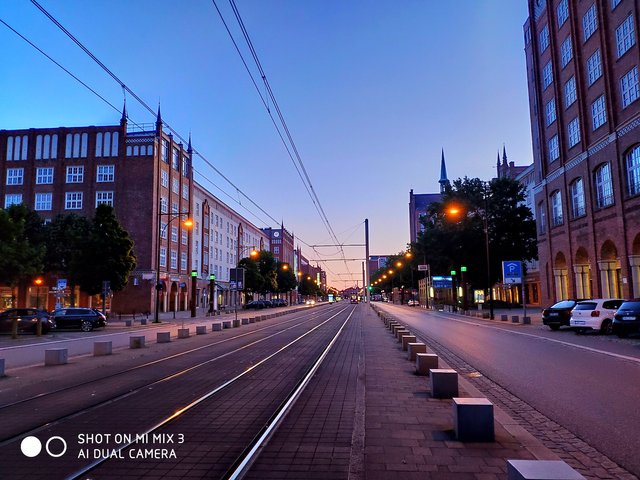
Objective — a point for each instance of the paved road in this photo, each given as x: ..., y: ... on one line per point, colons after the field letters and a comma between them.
x: 588, y: 384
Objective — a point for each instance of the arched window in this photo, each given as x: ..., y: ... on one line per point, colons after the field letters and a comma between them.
x: 604, y: 186
x: 557, y: 218
x: 577, y: 198
x: 633, y: 170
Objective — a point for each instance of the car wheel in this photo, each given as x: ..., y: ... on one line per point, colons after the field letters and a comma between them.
x: 607, y: 327
x: 554, y: 327
x: 86, y: 326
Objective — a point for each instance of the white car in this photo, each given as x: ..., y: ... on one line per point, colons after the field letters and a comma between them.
x: 595, y: 314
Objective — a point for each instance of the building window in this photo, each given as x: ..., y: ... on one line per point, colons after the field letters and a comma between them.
x: 629, y: 87
x: 44, y: 175
x: 633, y: 170
x: 175, y: 161
x: 46, y: 147
x: 556, y: 209
x: 76, y: 145
x: 17, y: 147
x: 544, y: 38
x: 15, y: 176
x: 75, y: 174
x: 185, y: 166
x: 163, y: 230
x: 174, y: 234
x: 527, y: 35
x: 164, y: 205
x: 625, y: 36
x: 175, y: 185
x: 563, y: 12
x: 164, y: 178
x: 550, y: 110
x: 12, y: 199
x: 598, y: 113
x: 107, y: 144
x: 163, y: 256
x: 276, y: 250
x: 590, y: 22
x: 174, y: 259
x: 566, y: 51
x: 604, y: 186
x: 183, y: 261
x: 615, y: 3
x: 106, y: 173
x: 570, y: 94
x: 174, y: 207
x: 104, y: 197
x: 577, y: 199
x: 185, y: 191
x: 165, y: 151
x: 554, y: 148
x: 73, y: 201
x: 547, y: 75
x: 542, y: 218
x: 43, y: 201
x: 594, y: 67
x: 574, y: 132
x: 185, y: 237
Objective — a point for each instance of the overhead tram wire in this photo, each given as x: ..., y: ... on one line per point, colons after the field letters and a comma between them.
x: 145, y: 105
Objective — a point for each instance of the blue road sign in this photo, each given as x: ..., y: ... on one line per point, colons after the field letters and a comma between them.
x: 512, y: 271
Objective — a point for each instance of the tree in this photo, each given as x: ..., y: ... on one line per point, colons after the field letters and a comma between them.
x: 267, y: 265
x: 285, y: 278
x: 21, y: 247
x: 253, y: 280
x: 308, y: 286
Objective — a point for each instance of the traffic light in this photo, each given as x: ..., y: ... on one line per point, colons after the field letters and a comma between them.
x: 463, y: 269
x: 370, y: 288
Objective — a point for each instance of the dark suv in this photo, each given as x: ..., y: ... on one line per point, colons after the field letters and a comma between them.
x: 27, y: 319
x: 558, y: 314
x: 85, y: 319
x: 627, y: 318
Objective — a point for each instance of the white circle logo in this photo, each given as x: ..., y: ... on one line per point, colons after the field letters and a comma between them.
x: 62, y: 452
x: 30, y: 446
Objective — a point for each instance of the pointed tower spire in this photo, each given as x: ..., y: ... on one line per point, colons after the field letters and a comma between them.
x: 123, y: 119
x: 189, y: 149
x: 504, y: 155
x: 159, y: 119
x: 444, y: 181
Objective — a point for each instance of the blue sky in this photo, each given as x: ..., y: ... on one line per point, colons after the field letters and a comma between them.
x: 371, y: 92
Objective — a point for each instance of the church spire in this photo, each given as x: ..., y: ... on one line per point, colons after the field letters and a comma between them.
x: 444, y: 181
x: 123, y: 120
x: 159, y: 119
x: 189, y: 149
x: 504, y: 155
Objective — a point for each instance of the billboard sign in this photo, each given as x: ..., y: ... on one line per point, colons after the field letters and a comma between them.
x: 442, y: 282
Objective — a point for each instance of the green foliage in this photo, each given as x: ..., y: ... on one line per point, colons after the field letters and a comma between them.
x: 253, y: 280
x: 285, y: 278
x: 308, y: 287
x: 21, y: 247
x: 267, y: 265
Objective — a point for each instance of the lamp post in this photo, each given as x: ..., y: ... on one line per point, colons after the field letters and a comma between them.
x: 188, y: 223
x: 485, y: 217
x: 38, y: 282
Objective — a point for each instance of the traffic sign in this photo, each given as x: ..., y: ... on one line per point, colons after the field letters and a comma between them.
x: 512, y: 271
x: 423, y: 268
x: 62, y: 283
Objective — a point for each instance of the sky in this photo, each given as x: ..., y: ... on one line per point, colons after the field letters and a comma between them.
x: 371, y: 92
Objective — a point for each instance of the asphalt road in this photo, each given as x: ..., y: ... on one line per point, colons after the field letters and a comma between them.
x: 588, y: 384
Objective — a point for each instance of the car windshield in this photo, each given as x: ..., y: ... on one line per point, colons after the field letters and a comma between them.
x: 586, y: 306
x: 564, y: 304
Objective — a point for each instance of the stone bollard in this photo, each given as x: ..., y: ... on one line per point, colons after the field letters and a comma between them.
x: 128, y: 323
x: 541, y: 469
x: 201, y: 329
x: 406, y: 340
x: 486, y: 315
x: 236, y: 323
x: 55, y: 356
x: 226, y: 324
x: 163, y: 337
x: 1, y: 367
x: 183, y: 333
x: 473, y: 420
x: 245, y: 321
x: 216, y: 327
x: 444, y: 383
x: 515, y: 318
x: 102, y: 348
x: 413, y: 348
x: 143, y: 321
x: 252, y: 320
x: 136, y: 342
x: 504, y: 318
x: 425, y: 362
x: 400, y: 333
x: 526, y: 320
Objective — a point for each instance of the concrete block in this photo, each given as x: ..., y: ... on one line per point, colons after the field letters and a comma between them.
x: 183, y: 333
x: 102, y: 348
x: 406, y: 340
x: 504, y: 318
x: 444, y: 382
x: 163, y: 337
x: 201, y: 329
x: 245, y: 321
x: 216, y: 327
x: 473, y: 420
x: 252, y: 320
x: 526, y: 320
x: 515, y: 318
x: 55, y: 356
x: 137, y: 341
x: 226, y: 324
x: 425, y: 362
x: 128, y: 323
x: 400, y: 333
x: 413, y: 348
x: 1, y: 367
x: 486, y: 315
x: 541, y: 470
x: 237, y: 323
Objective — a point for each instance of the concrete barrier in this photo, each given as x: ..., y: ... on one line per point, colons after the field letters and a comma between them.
x: 226, y: 324
x: 143, y: 321
x: 515, y: 319
x: 400, y: 333
x: 425, y: 362
x: 473, y: 420
x: 252, y: 320
x: 541, y: 470
x: 486, y: 315
x: 504, y: 318
x: 237, y: 323
x: 163, y: 337
x: 128, y: 323
x: 216, y: 327
x: 1, y: 367
x: 413, y: 348
x: 245, y: 321
x: 137, y: 341
x: 55, y: 356
x: 201, y: 329
x: 526, y: 320
x: 183, y: 333
x: 406, y: 340
x: 102, y: 348
x: 444, y: 382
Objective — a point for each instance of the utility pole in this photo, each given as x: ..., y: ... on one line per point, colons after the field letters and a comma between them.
x: 367, y: 274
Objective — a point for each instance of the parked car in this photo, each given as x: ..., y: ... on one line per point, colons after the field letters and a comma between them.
x: 413, y: 303
x: 279, y: 302
x: 85, y: 319
x: 27, y: 319
x: 595, y: 314
x: 627, y: 318
x: 258, y: 304
x: 558, y: 314
x: 310, y: 302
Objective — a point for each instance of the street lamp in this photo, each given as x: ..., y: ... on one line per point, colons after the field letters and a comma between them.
x: 38, y: 281
x: 187, y: 223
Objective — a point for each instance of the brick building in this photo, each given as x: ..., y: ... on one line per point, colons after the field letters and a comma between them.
x: 582, y: 69
x: 138, y: 169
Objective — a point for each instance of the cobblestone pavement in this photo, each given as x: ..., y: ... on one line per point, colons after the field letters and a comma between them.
x: 577, y: 453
